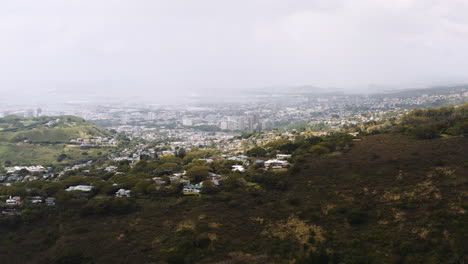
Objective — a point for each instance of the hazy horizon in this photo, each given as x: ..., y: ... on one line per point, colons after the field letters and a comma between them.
x: 167, y: 49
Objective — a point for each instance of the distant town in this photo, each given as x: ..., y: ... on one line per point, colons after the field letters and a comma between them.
x: 220, y: 133
x: 258, y: 112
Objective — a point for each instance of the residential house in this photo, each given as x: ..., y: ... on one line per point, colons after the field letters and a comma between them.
x: 192, y: 188
x: 184, y: 181
x: 123, y: 193
x: 10, y: 212
x: 276, y: 164
x: 83, y: 188
x: 50, y: 201
x: 238, y: 168
x: 13, y: 201
x: 36, y: 200
x: 283, y: 156
x: 241, y: 158
x: 111, y: 168
x: 217, y: 182
x: 159, y: 180
x: 14, y: 169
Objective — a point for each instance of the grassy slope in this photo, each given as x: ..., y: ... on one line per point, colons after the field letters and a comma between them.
x: 45, y: 155
x: 35, y: 131
x: 412, y: 194
x: 52, y: 135
x: 52, y: 140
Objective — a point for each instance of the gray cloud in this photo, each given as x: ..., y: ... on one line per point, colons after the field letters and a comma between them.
x: 175, y: 47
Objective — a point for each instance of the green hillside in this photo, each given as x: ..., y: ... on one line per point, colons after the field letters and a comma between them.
x: 388, y: 198
x: 59, y: 129
x: 32, y: 141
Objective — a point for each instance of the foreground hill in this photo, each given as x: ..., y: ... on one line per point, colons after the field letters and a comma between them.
x: 389, y: 199
x: 41, y: 140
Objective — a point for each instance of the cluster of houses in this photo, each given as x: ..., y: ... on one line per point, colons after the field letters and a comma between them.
x: 276, y: 164
x: 243, y: 162
x: 13, y: 174
x: 190, y: 188
x: 52, y: 123
x: 23, y: 173
x: 93, y: 142
x: 17, y: 201
x: 193, y: 188
x: 15, y: 169
x: 216, y: 179
x: 75, y: 167
x: 281, y: 161
x: 121, y: 193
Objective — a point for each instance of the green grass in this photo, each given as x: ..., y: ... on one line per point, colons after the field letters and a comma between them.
x: 47, y: 143
x: 52, y: 135
x: 45, y: 155
x: 36, y: 131
x: 29, y: 155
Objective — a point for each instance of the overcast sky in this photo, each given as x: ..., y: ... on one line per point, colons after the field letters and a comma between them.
x: 173, y: 46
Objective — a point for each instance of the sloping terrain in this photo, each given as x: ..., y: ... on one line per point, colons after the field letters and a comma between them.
x: 32, y: 141
x: 389, y: 199
x: 47, y: 129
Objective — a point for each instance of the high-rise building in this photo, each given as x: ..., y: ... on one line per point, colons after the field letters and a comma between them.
x: 224, y: 125
x: 266, y: 124
x: 243, y: 123
x: 29, y: 113
x: 233, y: 125
x: 124, y: 118
x: 151, y: 116
x: 187, y: 122
x: 38, y: 112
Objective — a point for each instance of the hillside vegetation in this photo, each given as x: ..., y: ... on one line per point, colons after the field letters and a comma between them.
x: 447, y: 121
x: 386, y: 198
x: 47, y: 129
x: 435, y: 122
x: 41, y: 140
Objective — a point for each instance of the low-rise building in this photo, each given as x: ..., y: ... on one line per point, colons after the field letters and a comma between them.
x: 192, y: 188
x: 36, y: 200
x: 283, y: 156
x: 123, y: 193
x: 83, y: 188
x: 238, y: 168
x: 50, y: 201
x: 276, y: 163
x: 13, y: 201
x: 159, y: 180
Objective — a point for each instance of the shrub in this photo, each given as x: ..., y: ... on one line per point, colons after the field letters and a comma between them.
x: 357, y: 217
x: 198, y: 173
x: 257, y: 152
x: 319, y: 150
x: 73, y: 258
x: 108, y: 207
x: 61, y: 157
